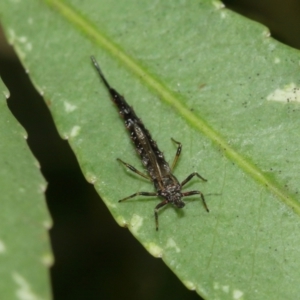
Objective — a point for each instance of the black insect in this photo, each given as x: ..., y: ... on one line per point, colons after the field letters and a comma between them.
x: 166, y: 184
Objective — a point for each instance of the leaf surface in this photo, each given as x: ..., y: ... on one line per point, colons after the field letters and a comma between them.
x: 24, y: 245
x: 207, y: 77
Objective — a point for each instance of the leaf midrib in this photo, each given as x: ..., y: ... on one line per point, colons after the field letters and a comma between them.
x: 166, y: 95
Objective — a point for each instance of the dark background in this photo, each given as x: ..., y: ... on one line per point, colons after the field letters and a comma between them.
x: 94, y: 257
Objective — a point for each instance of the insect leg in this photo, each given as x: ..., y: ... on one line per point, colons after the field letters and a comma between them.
x: 191, y: 176
x: 177, y: 153
x: 137, y: 194
x: 158, y: 206
x: 196, y: 193
x: 133, y: 169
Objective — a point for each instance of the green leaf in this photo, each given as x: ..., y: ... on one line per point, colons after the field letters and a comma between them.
x: 24, y: 246
x: 207, y: 77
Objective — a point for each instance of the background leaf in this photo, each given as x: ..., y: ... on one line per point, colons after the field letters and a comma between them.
x: 24, y: 247
x: 206, y: 77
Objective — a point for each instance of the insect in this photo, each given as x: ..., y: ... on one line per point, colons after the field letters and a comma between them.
x: 159, y: 172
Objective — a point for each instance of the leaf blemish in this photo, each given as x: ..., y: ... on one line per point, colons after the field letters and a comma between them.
x: 24, y: 291
x: 237, y: 294
x: 266, y: 33
x: 289, y: 93
x: 69, y: 107
x: 154, y: 249
x: 121, y: 221
x: 225, y: 288
x: 172, y: 244
x: 136, y: 222
x: 48, y: 224
x: 223, y: 15
x: 190, y: 285
x: 6, y: 94
x: 23, y: 40
x: 216, y: 286
x: 91, y: 178
x: 47, y: 260
x: 74, y: 131
x: 277, y: 60
x: 218, y: 4
x: 112, y: 205
x: 2, y: 247
x: 28, y: 46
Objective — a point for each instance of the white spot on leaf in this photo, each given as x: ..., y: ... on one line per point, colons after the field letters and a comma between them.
x: 22, y: 39
x: 64, y: 136
x: 91, y: 178
x: 42, y: 188
x: 218, y: 4
x: 24, y: 291
x: 69, y: 107
x: 190, y: 285
x: 11, y: 36
x: 28, y: 46
x: 121, y: 221
x: 216, y: 286
x: 266, y: 33
x: 136, y: 222
x: 289, y: 93
x: 112, y: 205
x: 48, y: 224
x: 171, y: 244
x: 223, y: 15
x: 48, y: 259
x: 74, y: 131
x: 154, y: 249
x: 277, y: 60
x: 225, y: 288
x: 237, y: 295
x: 2, y: 247
x: 37, y: 164
x: 6, y: 94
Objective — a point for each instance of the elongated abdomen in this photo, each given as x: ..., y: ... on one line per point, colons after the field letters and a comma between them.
x: 151, y: 157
